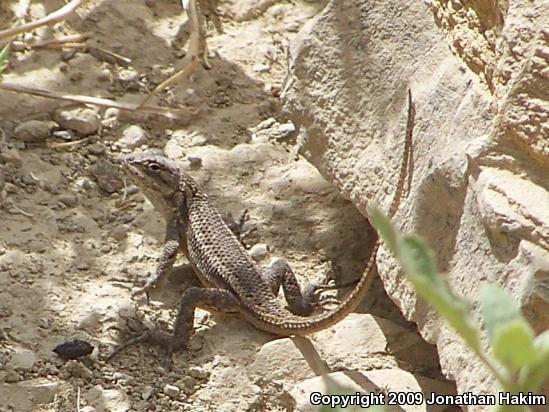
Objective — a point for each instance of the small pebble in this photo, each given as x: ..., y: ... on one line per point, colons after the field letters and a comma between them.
x: 261, y: 68
x: 104, y: 75
x: 68, y: 200
x: 198, y: 141
x: 121, y: 377
x: 171, y: 390
x: 198, y: 372
x: 133, y: 136
x: 258, y: 251
x: 64, y: 134
x: 195, y: 161
x: 82, y: 120
x: 147, y: 392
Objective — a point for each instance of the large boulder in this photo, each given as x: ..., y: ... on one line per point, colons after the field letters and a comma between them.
x: 479, y: 187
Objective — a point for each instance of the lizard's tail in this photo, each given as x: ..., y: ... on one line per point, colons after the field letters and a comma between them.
x: 296, y: 325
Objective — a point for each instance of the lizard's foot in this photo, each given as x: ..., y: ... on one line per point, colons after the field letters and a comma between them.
x: 152, y: 334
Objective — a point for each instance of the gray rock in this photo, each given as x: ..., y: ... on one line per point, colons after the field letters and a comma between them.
x: 259, y: 251
x: 171, y: 390
x: 198, y: 372
x: 195, y: 161
x: 147, y: 392
x: 133, y: 136
x: 112, y: 400
x: 276, y: 132
x: 121, y: 377
x: 280, y: 359
x: 111, y: 118
x: 68, y: 200
x: 23, y: 359
x: 64, y: 134
x: 199, y: 141
x: 107, y: 176
x: 82, y: 120
x: 187, y: 383
x: 34, y: 131
x: 30, y: 392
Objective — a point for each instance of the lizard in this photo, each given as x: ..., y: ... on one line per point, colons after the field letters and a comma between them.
x: 232, y: 281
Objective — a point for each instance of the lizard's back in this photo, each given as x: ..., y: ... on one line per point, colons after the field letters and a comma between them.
x: 220, y: 260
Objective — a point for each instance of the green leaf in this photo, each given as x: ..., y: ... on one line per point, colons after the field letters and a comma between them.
x: 385, y: 229
x: 533, y: 376
x: 4, y: 56
x: 419, y: 262
x: 497, y: 307
x: 513, y: 345
x: 420, y: 265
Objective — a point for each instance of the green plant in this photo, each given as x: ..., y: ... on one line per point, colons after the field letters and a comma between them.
x: 4, y: 56
x: 517, y: 358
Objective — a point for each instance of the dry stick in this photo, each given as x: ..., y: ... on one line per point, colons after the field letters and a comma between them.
x: 106, y: 55
x: 165, y: 111
x: 50, y: 19
x: 186, y: 72
x: 61, y: 46
x: 192, y: 59
x: 72, y: 39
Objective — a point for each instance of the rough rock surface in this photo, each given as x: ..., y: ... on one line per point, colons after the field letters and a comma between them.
x: 75, y: 239
x: 479, y: 191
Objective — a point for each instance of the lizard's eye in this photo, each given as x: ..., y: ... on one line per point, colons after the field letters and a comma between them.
x: 154, y: 167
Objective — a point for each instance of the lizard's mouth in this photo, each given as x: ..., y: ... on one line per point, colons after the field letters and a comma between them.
x: 131, y: 170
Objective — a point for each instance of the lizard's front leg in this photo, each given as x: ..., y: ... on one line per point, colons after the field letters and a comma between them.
x: 172, y: 246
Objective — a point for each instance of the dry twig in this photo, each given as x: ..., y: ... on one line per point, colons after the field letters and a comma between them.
x: 50, y: 19
x: 98, y: 101
x: 198, y: 50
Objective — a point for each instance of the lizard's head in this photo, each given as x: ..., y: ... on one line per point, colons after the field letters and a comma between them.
x: 157, y: 177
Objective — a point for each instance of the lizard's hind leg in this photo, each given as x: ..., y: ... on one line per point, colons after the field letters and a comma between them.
x: 301, y: 302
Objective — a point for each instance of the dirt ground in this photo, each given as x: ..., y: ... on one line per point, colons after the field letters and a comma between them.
x: 75, y: 238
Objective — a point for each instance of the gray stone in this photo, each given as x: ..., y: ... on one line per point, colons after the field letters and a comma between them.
x: 112, y: 400
x: 171, y: 390
x: 133, y: 136
x: 34, y: 131
x: 68, y: 200
x: 259, y: 251
x: 23, y: 359
x: 198, y: 372
x: 24, y: 394
x: 147, y: 392
x: 276, y: 131
x: 280, y: 359
x: 82, y: 120
x: 67, y: 135
x: 195, y: 161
